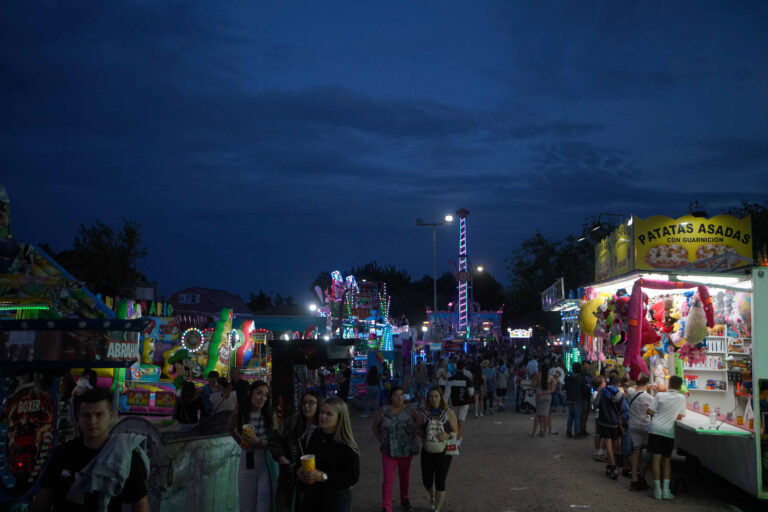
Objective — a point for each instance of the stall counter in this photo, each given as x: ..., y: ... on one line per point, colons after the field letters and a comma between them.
x: 727, y: 451
x: 727, y: 427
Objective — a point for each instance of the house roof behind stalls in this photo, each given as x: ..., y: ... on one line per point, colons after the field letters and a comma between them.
x: 212, y: 301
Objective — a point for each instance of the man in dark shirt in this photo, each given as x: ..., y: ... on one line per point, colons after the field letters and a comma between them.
x: 576, y: 392
x: 93, y: 410
x: 239, y: 386
x: 460, y: 390
x: 586, y: 372
x: 345, y: 375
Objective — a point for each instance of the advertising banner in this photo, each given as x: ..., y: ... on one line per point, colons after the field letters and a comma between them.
x: 138, y: 397
x: 553, y: 295
x: 614, y: 254
x: 165, y: 399
x: 689, y: 243
x: 70, y: 343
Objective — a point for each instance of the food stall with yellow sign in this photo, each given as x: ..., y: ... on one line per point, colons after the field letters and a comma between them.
x: 682, y: 264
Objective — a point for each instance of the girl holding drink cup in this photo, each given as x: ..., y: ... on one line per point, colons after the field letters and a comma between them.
x: 337, y: 462
x: 250, y: 425
x: 285, y: 445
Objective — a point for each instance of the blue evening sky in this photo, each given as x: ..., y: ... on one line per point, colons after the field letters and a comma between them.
x: 259, y: 143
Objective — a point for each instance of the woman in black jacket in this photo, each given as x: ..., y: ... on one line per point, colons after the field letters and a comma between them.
x: 284, y: 447
x: 337, y: 461
x: 189, y: 406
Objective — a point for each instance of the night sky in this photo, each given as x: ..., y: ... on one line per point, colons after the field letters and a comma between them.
x: 259, y: 143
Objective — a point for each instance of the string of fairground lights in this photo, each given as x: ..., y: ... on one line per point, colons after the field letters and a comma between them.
x: 184, y: 339
x: 234, y: 338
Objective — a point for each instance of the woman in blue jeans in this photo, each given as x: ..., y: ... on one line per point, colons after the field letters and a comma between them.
x: 372, y: 388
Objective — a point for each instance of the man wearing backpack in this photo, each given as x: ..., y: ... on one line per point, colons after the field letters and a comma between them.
x: 459, y: 389
x: 611, y: 401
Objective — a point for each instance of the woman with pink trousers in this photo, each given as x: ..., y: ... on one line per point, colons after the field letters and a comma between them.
x: 395, y: 429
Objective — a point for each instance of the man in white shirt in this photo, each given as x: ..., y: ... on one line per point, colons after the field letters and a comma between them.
x: 665, y: 410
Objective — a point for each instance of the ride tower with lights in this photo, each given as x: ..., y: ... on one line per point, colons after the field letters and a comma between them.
x: 462, y: 275
x: 463, y: 324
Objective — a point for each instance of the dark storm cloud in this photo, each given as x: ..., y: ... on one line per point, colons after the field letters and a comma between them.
x: 729, y: 154
x: 577, y: 156
x: 598, y: 50
x: 559, y: 129
x: 588, y: 176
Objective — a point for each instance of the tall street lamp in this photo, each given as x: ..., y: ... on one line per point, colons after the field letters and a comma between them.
x: 474, y: 269
x: 446, y: 222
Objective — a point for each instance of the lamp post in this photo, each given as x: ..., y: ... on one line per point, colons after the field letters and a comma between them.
x: 598, y: 225
x: 474, y: 269
x: 446, y: 222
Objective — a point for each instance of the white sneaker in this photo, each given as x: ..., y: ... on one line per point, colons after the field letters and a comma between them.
x: 667, y: 495
x: 657, y: 494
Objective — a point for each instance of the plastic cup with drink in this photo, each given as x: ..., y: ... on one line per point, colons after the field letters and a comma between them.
x: 250, y: 429
x: 308, y: 463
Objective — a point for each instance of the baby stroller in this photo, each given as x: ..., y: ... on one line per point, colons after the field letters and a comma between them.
x: 526, y: 397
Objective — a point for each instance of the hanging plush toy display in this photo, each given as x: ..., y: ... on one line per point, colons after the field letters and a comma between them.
x: 641, y: 333
x: 601, y: 327
x: 696, y: 323
x: 744, y: 307
x: 588, y: 316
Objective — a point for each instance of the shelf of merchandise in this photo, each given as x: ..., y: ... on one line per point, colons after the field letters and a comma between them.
x: 709, y: 390
x: 738, y: 354
x: 696, y: 369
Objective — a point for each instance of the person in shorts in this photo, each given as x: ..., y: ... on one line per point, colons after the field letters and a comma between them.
x: 639, y: 400
x: 665, y: 409
x: 610, y: 402
x: 459, y: 388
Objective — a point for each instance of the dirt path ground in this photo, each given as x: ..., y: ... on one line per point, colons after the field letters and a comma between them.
x: 501, y: 469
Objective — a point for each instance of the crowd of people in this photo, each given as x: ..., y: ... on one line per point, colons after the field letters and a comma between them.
x: 633, y: 423
x: 632, y: 427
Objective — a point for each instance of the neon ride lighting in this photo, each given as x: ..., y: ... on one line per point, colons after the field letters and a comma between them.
x: 463, y: 286
x: 192, y: 339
